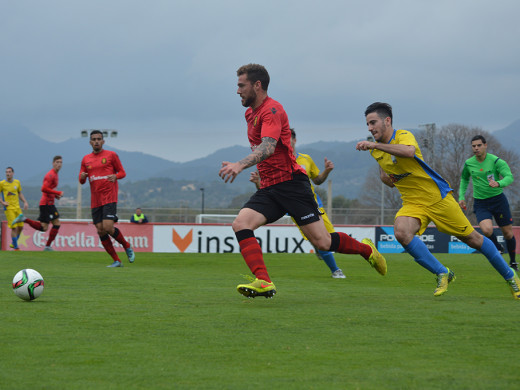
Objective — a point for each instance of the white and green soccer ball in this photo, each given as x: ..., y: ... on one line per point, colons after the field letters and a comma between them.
x: 28, y: 284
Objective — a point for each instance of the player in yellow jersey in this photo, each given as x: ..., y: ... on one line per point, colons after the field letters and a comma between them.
x: 316, y: 177
x: 426, y: 197
x: 11, y: 194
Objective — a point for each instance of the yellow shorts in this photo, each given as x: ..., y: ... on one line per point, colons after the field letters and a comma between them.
x: 11, y: 214
x: 446, y: 214
x: 326, y: 221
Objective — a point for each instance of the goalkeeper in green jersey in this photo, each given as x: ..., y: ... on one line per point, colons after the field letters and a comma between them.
x: 490, y: 174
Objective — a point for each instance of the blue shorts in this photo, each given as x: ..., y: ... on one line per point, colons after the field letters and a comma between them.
x: 497, y: 207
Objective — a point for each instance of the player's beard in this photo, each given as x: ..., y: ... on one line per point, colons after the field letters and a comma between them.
x: 248, y: 101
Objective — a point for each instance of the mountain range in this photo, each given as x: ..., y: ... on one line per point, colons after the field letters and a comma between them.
x: 31, y: 157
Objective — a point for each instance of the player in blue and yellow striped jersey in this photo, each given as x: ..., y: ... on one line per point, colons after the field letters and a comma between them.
x: 426, y: 197
x: 11, y: 194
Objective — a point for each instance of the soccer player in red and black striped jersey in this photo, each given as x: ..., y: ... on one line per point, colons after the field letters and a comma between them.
x: 103, y: 169
x: 48, y: 211
x: 284, y: 186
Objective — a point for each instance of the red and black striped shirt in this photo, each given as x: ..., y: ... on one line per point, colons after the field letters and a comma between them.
x: 270, y: 120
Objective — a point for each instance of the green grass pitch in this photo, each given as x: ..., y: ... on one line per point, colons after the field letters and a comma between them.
x: 176, y: 321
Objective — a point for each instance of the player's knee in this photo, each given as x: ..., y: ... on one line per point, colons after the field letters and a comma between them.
x: 238, y: 224
x: 321, y: 243
x: 403, y: 237
x: 474, y: 240
x: 323, y: 246
x: 487, y: 232
x: 101, y: 231
x: 108, y: 227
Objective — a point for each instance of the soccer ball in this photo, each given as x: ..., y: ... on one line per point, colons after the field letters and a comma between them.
x: 28, y: 284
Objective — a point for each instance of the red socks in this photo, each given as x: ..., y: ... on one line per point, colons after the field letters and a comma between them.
x: 120, y: 238
x: 343, y: 243
x: 36, y: 225
x: 252, y: 253
x: 107, y: 244
x: 52, y: 234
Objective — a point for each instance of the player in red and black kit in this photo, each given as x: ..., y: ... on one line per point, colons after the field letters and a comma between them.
x: 103, y: 169
x: 284, y: 187
x: 48, y: 211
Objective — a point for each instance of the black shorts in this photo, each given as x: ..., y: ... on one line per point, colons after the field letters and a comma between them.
x: 107, y: 211
x: 293, y: 197
x: 496, y: 206
x: 48, y: 213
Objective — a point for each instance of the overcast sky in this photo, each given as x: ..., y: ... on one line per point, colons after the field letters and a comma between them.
x: 163, y: 72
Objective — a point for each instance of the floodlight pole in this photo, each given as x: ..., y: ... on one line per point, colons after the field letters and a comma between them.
x: 202, y: 205
x: 430, y: 143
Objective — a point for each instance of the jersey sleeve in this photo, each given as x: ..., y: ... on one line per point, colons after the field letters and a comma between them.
x: 464, y: 181
x: 120, y: 171
x: 406, y: 138
x: 271, y: 124
x: 313, y: 168
x: 48, y: 183
x: 504, y: 171
x: 82, y: 169
x: 48, y: 190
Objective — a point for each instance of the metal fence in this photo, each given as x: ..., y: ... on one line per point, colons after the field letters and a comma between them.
x: 352, y: 216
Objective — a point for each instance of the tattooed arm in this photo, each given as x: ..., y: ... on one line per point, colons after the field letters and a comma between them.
x: 230, y: 170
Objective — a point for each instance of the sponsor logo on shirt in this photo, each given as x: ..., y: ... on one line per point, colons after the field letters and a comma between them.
x: 93, y: 178
x: 396, y: 178
x: 103, y: 160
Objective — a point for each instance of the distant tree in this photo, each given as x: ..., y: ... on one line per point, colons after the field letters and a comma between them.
x: 340, y: 202
x: 372, y: 188
x: 453, y: 148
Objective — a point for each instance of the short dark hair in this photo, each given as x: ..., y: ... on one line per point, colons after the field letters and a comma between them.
x: 96, y: 132
x: 479, y: 137
x: 383, y: 110
x: 254, y: 73
x: 11, y: 168
x: 293, y: 133
x: 56, y: 158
